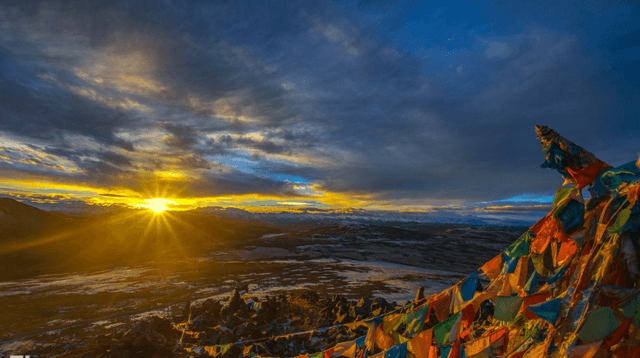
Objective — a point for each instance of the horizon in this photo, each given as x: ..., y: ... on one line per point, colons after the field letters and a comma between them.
x: 459, y: 216
x: 326, y: 107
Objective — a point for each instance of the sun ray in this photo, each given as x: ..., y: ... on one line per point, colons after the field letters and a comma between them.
x: 165, y: 222
x: 150, y: 223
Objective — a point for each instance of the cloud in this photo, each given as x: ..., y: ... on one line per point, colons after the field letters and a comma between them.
x: 496, y: 49
x: 375, y: 101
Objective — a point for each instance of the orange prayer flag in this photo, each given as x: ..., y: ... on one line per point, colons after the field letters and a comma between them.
x: 421, y: 344
x: 477, y: 346
x: 493, y: 267
x: 585, y: 176
x: 567, y: 250
x: 433, y: 352
x: 382, y: 340
x: 518, y: 279
x: 464, y: 335
x: 211, y: 350
x: 537, y: 227
x: 351, y: 352
x: 328, y: 353
x: 468, y: 315
x: 455, y: 349
x: 543, y: 234
x: 441, y: 305
x: 500, y: 337
x: 505, y: 286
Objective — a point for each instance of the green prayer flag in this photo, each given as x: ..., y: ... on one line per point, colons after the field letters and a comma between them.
x: 441, y: 330
x: 507, y: 307
x: 600, y: 323
x: 415, y: 321
x: 561, y: 194
x: 520, y: 247
x: 621, y: 220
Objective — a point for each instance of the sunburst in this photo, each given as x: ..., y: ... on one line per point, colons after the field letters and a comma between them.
x: 158, y: 205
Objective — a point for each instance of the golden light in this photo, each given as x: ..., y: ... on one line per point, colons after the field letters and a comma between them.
x: 157, y: 205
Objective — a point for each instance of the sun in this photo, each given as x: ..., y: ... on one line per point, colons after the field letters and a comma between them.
x: 158, y: 205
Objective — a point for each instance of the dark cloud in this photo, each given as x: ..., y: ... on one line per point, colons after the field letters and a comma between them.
x: 47, y: 114
x: 181, y: 136
x: 112, y: 195
x: 401, y: 101
x: 236, y: 183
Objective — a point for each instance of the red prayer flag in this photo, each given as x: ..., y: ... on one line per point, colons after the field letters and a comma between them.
x: 441, y: 305
x: 328, y: 353
x: 585, y: 176
x: 617, y: 335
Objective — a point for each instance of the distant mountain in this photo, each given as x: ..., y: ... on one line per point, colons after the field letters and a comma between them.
x: 19, y: 221
x: 35, y: 240
x: 366, y: 216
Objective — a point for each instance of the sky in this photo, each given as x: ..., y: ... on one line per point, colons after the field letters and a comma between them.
x: 324, y: 105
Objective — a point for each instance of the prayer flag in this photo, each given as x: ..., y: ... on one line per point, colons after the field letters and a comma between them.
x: 442, y: 330
x: 507, y: 307
x: 547, y: 310
x: 397, y: 351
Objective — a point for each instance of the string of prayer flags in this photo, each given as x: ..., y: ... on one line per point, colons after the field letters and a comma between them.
x: 582, y: 299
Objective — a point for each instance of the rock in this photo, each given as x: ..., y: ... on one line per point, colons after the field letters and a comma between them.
x: 419, y: 295
x: 278, y: 348
x: 234, y: 304
x: 364, y: 303
x: 360, y: 311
